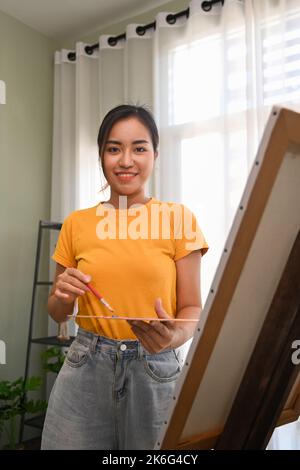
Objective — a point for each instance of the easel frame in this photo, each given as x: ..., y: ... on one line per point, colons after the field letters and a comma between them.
x: 270, y: 374
x: 282, y: 132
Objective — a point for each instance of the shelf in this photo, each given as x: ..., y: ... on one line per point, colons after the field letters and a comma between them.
x: 36, y: 422
x: 47, y: 341
x: 53, y: 341
x: 53, y: 225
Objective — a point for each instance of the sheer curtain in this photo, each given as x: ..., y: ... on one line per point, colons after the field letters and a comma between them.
x: 218, y: 74
x: 210, y: 80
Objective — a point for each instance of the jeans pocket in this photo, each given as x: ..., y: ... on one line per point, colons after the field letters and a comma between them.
x: 162, y: 367
x: 78, y: 354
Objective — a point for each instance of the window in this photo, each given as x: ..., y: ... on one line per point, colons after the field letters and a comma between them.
x: 221, y: 89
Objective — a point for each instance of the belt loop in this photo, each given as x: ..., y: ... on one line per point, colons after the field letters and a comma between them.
x: 94, y: 343
x: 140, y: 350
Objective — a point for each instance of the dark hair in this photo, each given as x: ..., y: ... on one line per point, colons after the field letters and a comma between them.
x: 125, y: 111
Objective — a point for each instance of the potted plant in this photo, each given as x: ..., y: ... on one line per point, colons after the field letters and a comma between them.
x: 12, y: 405
x: 53, y: 359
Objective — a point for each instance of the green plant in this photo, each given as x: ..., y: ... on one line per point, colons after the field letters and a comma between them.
x: 12, y: 404
x: 53, y: 359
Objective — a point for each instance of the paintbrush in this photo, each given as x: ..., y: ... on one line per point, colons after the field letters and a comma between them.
x: 99, y: 297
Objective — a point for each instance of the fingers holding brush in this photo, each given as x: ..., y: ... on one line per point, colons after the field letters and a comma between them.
x: 71, y: 284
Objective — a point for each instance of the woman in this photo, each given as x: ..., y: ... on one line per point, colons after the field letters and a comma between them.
x: 116, y: 383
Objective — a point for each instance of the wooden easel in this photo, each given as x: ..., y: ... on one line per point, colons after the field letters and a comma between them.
x: 271, y: 373
x: 239, y: 380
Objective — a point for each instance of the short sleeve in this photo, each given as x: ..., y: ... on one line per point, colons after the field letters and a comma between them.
x: 64, y: 251
x: 188, y: 235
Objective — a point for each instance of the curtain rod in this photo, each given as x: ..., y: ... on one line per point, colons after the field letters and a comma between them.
x: 140, y: 30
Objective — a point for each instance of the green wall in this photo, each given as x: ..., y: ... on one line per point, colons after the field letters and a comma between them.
x: 26, y: 66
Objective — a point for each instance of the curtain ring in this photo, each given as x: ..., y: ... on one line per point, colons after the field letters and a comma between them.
x: 89, y: 50
x: 140, y: 30
x: 72, y: 56
x: 112, y: 41
x: 206, y: 6
x: 171, y: 19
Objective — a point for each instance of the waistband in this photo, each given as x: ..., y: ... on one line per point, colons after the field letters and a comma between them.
x: 114, y: 346
x: 98, y: 342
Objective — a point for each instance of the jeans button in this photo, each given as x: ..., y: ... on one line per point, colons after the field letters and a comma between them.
x: 123, y: 347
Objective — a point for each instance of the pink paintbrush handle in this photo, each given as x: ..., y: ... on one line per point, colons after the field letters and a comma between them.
x: 100, y: 297
x: 95, y: 292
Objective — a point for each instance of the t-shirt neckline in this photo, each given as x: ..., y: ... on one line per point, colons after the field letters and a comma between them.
x: 136, y: 205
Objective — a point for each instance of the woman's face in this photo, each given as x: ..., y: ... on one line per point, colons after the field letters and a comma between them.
x: 128, y: 157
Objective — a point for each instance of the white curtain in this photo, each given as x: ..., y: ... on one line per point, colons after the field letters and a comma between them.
x: 210, y: 80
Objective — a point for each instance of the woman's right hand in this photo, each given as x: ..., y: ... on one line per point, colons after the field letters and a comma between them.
x: 71, y: 284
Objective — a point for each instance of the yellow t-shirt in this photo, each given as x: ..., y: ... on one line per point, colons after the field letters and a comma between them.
x: 130, y: 255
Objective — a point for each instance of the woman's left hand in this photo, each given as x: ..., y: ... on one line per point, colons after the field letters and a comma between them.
x: 156, y: 336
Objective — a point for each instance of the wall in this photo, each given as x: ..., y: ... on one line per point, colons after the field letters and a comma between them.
x: 26, y: 66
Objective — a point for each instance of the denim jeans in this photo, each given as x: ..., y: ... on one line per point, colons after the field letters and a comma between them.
x: 109, y: 395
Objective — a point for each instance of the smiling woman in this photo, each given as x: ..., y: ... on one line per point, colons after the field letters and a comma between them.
x: 132, y: 147
x: 117, y: 382
x: 128, y: 147
x: 127, y: 158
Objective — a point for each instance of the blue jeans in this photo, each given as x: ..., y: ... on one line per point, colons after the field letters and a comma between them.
x: 109, y: 395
